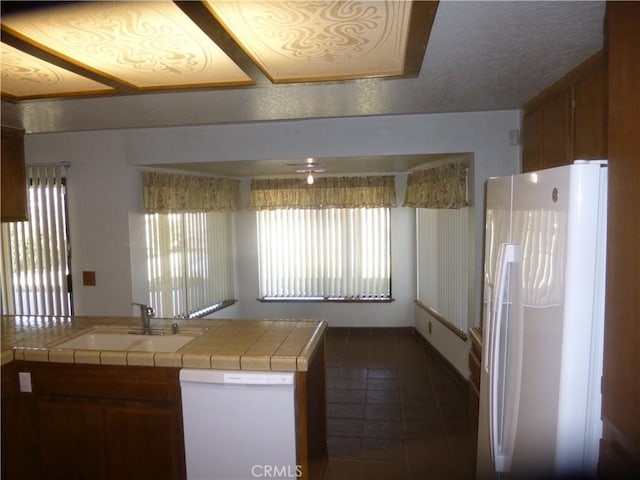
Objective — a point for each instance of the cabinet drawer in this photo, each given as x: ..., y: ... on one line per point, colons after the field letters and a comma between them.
x: 103, y: 381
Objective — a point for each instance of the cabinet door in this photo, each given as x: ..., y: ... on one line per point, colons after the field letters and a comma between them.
x: 14, y: 184
x: 590, y: 124
x: 19, y: 430
x: 557, y: 144
x: 105, y: 422
x: 71, y: 439
x: 143, y: 443
x: 532, y: 140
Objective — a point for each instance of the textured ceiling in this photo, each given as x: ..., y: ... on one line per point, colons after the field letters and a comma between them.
x: 481, y: 55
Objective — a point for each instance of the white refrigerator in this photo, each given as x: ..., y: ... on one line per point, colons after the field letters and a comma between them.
x: 543, y: 323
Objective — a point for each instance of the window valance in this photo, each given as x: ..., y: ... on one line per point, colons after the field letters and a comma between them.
x: 444, y: 186
x: 173, y: 193
x: 326, y: 192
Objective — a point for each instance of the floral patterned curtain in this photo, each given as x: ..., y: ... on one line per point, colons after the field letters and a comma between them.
x: 326, y: 192
x: 444, y: 186
x: 172, y: 193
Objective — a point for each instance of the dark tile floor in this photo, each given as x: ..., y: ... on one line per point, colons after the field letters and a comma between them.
x: 394, y: 410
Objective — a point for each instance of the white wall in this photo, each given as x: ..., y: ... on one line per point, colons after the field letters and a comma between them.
x: 105, y: 198
x: 102, y: 191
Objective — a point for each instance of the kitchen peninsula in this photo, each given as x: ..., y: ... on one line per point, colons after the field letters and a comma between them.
x: 88, y: 413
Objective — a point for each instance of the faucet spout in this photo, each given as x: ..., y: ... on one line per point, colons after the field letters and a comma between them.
x: 146, y: 313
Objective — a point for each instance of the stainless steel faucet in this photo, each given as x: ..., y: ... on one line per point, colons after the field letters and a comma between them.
x: 146, y: 313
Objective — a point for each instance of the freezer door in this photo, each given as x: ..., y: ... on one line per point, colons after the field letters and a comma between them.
x: 497, y: 233
x: 505, y: 357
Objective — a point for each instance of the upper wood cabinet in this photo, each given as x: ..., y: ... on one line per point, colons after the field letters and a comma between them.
x: 13, y: 176
x: 590, y: 114
x: 567, y: 121
x: 531, y: 140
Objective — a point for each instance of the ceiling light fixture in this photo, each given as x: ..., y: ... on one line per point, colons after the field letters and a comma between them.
x: 309, y: 168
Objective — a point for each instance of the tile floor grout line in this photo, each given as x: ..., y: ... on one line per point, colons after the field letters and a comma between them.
x: 365, y: 360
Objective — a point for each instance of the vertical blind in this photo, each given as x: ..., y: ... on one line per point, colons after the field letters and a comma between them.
x: 333, y: 253
x: 190, y: 266
x: 189, y: 228
x: 35, y: 265
x: 442, y: 238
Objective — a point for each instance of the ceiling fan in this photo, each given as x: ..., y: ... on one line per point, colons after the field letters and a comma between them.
x: 309, y: 167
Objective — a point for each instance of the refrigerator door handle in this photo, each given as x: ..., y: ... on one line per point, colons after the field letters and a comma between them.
x: 503, y: 412
x: 488, y: 312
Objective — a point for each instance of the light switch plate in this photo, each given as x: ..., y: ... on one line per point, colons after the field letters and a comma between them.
x: 89, y: 278
x: 25, y: 381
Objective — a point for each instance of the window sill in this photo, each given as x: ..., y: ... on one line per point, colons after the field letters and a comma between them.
x: 215, y: 308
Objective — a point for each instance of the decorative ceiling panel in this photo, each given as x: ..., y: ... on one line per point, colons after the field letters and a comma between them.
x: 319, y: 40
x: 147, y: 45
x: 29, y: 77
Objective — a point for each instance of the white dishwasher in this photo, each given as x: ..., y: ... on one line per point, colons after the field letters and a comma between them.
x: 239, y: 425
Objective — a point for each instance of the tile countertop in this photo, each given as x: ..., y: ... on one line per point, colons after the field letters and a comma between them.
x: 282, y: 345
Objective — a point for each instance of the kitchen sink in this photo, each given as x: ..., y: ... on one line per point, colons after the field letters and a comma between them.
x: 111, y: 339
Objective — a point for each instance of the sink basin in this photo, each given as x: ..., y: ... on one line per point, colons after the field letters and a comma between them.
x: 105, y: 339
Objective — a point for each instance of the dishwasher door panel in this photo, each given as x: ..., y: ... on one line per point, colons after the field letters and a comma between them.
x: 239, y: 425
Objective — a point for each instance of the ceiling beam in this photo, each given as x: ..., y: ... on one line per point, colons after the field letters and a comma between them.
x: 203, y: 18
x: 422, y: 16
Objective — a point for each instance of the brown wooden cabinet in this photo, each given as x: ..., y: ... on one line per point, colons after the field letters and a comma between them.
x: 620, y: 447
x: 531, y: 140
x: 19, y: 430
x: 143, y: 442
x: 311, y: 416
x: 567, y: 121
x: 590, y: 114
x: 99, y: 440
x: 12, y: 173
x: 71, y: 438
x: 124, y: 422
x: 557, y: 130
x: 99, y: 422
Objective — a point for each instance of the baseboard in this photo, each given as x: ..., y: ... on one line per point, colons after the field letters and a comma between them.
x: 438, y: 357
x: 370, y: 331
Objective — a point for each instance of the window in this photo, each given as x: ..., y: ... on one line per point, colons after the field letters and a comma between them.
x: 442, y: 240
x: 36, y: 277
x: 190, y: 267
x: 439, y: 195
x: 189, y: 236
x: 328, y: 254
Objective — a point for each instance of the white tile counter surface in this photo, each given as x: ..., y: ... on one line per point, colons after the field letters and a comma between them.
x: 282, y: 345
